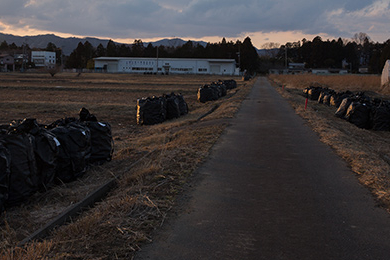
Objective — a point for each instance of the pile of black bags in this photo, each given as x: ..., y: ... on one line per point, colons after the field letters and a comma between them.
x: 155, y: 110
x: 215, y: 90
x: 34, y: 157
x: 357, y: 108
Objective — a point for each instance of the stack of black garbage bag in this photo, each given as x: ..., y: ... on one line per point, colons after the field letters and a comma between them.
x: 215, y: 90
x: 357, y: 108
x: 155, y: 110
x: 34, y: 157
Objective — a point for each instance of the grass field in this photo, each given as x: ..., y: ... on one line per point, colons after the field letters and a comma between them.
x: 167, y: 155
x: 367, y: 152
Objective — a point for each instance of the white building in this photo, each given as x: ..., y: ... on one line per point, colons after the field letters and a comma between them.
x: 386, y: 73
x: 43, y: 58
x: 166, y: 65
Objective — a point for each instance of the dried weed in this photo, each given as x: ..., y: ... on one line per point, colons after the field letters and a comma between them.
x: 168, y: 154
x: 366, y: 152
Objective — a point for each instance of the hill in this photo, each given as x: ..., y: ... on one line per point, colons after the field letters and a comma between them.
x: 69, y: 44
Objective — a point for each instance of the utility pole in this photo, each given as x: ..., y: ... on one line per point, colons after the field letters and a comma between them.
x: 157, y: 61
x: 239, y: 59
x: 285, y: 50
x: 24, y: 56
x: 62, y: 68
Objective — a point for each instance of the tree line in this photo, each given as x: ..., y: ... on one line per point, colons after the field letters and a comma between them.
x: 360, y: 51
x: 351, y: 54
x: 244, y: 52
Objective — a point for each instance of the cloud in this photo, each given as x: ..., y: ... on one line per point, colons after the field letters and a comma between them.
x: 372, y: 19
x: 195, y: 18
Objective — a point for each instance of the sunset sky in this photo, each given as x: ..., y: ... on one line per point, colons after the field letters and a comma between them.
x: 264, y: 21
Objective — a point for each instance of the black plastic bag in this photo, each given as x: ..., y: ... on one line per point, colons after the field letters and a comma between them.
x: 151, y: 111
x: 173, y: 106
x: 314, y: 93
x: 343, y: 108
x: 359, y: 114
x: 230, y: 84
x: 321, y: 97
x: 102, y: 144
x: 326, y: 99
x: 23, y: 180
x: 182, y: 105
x: 207, y: 93
x: 84, y: 115
x: 45, y: 150
x: 222, y: 88
x: 5, y: 167
x: 74, y: 151
x: 380, y: 117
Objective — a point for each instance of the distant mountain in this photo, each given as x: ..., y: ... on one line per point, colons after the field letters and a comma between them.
x: 41, y: 41
x: 176, y: 42
x: 69, y: 44
x: 267, y: 52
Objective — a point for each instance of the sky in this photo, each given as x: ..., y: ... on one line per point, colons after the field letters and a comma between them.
x: 264, y: 21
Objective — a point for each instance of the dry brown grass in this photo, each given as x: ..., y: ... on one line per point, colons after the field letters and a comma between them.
x: 168, y: 153
x: 367, y: 152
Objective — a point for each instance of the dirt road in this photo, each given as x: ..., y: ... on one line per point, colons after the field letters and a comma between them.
x: 272, y: 190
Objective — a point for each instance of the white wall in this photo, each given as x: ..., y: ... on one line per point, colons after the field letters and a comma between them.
x: 43, y: 58
x: 166, y: 65
x: 386, y: 73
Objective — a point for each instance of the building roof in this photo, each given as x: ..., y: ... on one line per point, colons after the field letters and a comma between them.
x: 178, y: 59
x: 5, y: 55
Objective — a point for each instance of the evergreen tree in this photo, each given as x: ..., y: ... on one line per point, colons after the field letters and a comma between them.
x: 100, y: 51
x: 249, y: 56
x: 77, y: 58
x: 124, y: 51
x: 51, y: 47
x: 137, y: 48
x: 111, y: 49
x: 150, y: 51
x: 4, y: 45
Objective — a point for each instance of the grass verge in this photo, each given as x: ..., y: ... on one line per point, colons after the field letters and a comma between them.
x: 146, y: 195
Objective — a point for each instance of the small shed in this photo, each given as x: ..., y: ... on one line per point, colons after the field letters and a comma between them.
x: 386, y: 73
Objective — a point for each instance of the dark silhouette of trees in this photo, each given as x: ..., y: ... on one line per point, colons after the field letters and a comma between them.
x: 249, y: 59
x: 78, y: 59
x: 137, y: 48
x: 358, y: 52
x: 240, y: 51
x: 317, y: 53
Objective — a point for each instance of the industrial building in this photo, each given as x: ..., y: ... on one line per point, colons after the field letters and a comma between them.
x: 45, y: 59
x: 166, y: 65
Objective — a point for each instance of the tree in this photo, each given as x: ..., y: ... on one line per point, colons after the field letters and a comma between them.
x: 150, y: 51
x: 13, y: 46
x: 137, y: 48
x: 4, y: 45
x: 100, y: 51
x: 272, y: 49
x: 249, y: 56
x: 51, y: 47
x: 124, y: 51
x: 77, y: 58
x: 360, y: 38
x: 111, y: 49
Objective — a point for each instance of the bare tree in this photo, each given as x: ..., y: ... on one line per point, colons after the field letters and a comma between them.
x: 53, y: 70
x: 272, y: 49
